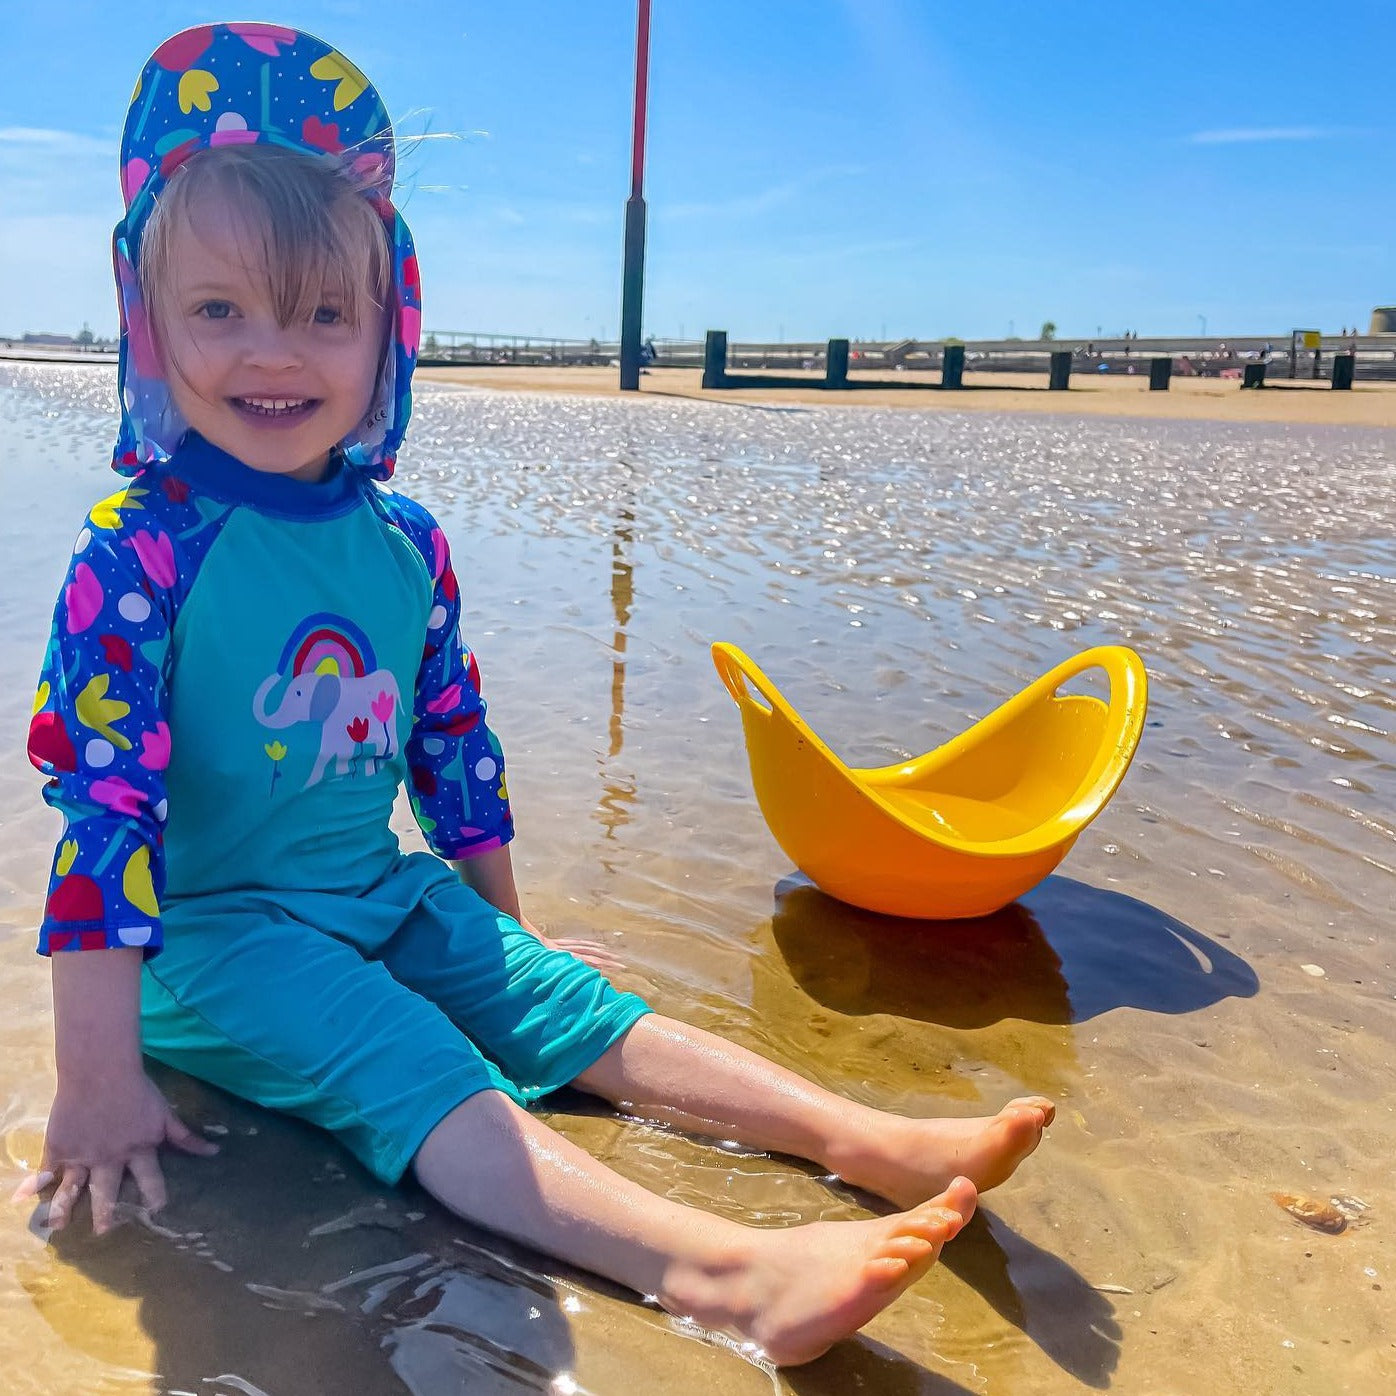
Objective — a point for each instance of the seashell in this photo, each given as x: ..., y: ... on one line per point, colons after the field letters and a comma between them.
x: 1351, y: 1207
x: 1312, y: 1211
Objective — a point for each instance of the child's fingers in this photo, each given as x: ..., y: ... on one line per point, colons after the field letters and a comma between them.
x: 33, y: 1185
x: 103, y: 1186
x: 145, y: 1169
x: 182, y: 1137
x: 591, y: 952
x: 60, y: 1209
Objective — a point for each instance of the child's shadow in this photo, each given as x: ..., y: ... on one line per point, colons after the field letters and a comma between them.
x: 1072, y: 1323
x: 1041, y: 1295
x: 1064, y: 953
x: 280, y: 1267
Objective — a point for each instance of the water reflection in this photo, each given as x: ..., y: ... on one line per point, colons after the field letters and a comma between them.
x: 909, y: 569
x: 618, y: 786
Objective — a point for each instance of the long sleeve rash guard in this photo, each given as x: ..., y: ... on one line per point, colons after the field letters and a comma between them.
x: 242, y: 671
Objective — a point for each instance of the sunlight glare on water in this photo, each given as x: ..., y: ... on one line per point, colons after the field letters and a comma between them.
x: 898, y: 574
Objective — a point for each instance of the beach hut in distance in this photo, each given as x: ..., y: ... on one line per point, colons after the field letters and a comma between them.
x: 1383, y: 320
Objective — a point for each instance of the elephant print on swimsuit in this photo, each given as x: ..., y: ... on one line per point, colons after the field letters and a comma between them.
x: 328, y: 694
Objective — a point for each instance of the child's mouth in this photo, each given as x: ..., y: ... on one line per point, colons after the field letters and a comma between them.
x: 275, y: 409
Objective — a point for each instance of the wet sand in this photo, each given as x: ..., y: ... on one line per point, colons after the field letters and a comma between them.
x: 1104, y: 395
x: 898, y: 573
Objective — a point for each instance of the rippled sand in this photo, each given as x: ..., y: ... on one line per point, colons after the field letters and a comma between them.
x: 898, y: 573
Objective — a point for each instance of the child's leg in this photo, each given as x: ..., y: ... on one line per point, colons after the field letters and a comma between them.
x: 687, y: 1077
x: 793, y: 1291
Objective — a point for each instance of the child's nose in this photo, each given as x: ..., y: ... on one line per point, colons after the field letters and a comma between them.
x: 271, y: 347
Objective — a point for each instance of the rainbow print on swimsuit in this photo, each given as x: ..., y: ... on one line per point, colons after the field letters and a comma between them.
x: 329, y: 689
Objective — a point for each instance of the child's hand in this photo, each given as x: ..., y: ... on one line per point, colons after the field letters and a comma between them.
x: 97, y: 1133
x: 589, y: 952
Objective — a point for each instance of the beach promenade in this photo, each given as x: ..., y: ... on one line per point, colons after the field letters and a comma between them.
x: 1112, y: 395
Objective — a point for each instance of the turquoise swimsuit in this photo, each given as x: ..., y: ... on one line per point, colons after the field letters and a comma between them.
x: 243, y: 670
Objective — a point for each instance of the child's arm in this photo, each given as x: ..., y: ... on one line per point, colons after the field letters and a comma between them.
x: 100, y: 736
x: 108, y: 1117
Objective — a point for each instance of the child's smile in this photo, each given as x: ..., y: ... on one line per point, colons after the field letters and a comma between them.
x: 278, y: 397
x: 275, y: 411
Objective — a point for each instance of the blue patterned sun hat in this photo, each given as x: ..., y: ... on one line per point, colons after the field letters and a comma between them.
x: 240, y: 84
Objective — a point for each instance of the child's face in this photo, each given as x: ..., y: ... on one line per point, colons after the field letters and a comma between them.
x: 276, y: 398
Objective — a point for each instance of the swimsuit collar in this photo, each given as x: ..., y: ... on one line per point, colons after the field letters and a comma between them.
x: 213, y: 471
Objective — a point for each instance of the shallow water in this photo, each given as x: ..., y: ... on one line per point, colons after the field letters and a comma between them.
x: 897, y: 573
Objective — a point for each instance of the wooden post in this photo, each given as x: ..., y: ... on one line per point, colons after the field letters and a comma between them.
x: 836, y: 364
x: 1059, y: 379
x: 1160, y: 371
x: 715, y: 359
x: 1253, y: 375
x: 1343, y: 367
x: 952, y: 366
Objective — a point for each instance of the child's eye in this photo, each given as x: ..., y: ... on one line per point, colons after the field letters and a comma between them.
x: 328, y: 315
x: 215, y: 310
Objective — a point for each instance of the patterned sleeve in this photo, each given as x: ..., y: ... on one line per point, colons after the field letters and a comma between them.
x: 456, y: 765
x: 99, y: 733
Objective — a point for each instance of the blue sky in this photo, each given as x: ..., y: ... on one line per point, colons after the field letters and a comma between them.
x: 816, y: 167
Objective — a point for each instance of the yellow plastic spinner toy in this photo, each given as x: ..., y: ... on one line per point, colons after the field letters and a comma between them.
x: 964, y: 829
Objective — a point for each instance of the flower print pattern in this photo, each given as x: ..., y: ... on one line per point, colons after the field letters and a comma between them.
x: 383, y: 708
x: 268, y: 39
x: 107, y: 514
x: 84, y: 598
x: 99, y: 732
x: 182, y: 50
x: 155, y: 748
x: 196, y: 89
x: 100, y: 713
x: 156, y: 553
x: 277, y: 752
x: 323, y: 135
x: 350, y: 83
x: 116, y: 649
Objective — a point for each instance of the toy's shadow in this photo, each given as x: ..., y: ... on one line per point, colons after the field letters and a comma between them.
x: 1063, y: 954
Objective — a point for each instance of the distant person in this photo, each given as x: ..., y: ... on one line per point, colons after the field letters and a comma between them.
x: 255, y: 646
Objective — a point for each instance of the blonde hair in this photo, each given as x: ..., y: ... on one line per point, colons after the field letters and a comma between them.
x: 302, y: 224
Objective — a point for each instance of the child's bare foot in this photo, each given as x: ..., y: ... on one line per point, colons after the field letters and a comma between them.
x: 796, y: 1292
x: 907, y: 1160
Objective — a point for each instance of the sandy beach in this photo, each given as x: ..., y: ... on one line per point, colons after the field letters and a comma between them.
x: 1206, y: 987
x: 1103, y: 395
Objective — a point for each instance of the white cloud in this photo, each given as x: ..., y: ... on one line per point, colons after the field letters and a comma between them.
x: 775, y: 196
x: 39, y: 140
x: 1249, y: 134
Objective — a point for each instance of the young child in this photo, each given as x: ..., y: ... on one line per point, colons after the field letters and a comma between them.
x: 257, y: 642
